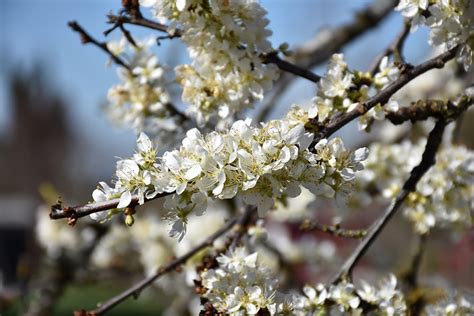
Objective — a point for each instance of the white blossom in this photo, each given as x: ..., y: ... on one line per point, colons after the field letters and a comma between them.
x: 261, y: 164
x: 225, y: 40
x: 141, y: 99
x: 443, y: 196
x: 341, y: 90
x: 451, y: 23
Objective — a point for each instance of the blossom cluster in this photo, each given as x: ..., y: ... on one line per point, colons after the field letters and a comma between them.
x: 345, y: 298
x: 260, y: 164
x: 141, y: 100
x: 444, y: 196
x: 451, y: 23
x: 241, y: 285
x: 341, y: 89
x: 225, y: 40
x: 456, y: 305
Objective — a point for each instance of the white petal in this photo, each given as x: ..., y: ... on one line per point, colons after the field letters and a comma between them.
x: 99, y: 216
x: 193, y: 172
x: 147, y: 3
x: 98, y: 195
x: 125, y: 199
x: 361, y: 154
x: 144, y: 143
x: 180, y: 5
x: 294, y: 134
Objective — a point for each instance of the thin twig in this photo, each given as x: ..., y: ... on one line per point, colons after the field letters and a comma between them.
x: 411, y: 276
x: 87, y: 39
x: 173, y: 265
x: 75, y: 212
x: 427, y: 160
x: 340, y: 120
x: 395, y: 48
x: 415, y: 302
x: 127, y: 35
x: 144, y: 22
x: 308, y: 225
x: 291, y: 68
x: 241, y: 225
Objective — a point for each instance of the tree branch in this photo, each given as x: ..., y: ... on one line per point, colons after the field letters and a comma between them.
x: 86, y: 39
x: 136, y: 289
x: 144, y: 22
x: 290, y: 68
x: 75, y: 212
x: 416, y: 303
x: 339, y: 120
x: 335, y: 123
x: 424, y: 109
x: 411, y: 275
x: 395, y: 48
x: 427, y: 160
x: 308, y: 225
x: 241, y: 225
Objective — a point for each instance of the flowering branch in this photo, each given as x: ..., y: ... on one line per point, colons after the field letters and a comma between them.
x: 328, y: 42
x: 427, y: 160
x: 340, y: 120
x: 268, y: 58
x: 86, y: 39
x: 335, y: 123
x: 135, y: 290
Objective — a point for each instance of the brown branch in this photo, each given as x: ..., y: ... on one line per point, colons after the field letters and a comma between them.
x: 136, y: 289
x: 339, y: 120
x: 290, y: 68
x: 87, y: 39
x: 241, y: 225
x: 75, y: 212
x: 395, y: 48
x: 308, y: 225
x: 427, y: 160
x: 141, y: 21
x: 415, y: 301
x: 411, y: 275
x: 328, y: 42
x: 127, y: 35
x: 423, y: 109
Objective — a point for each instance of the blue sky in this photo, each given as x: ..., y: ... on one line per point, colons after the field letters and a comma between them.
x: 36, y: 30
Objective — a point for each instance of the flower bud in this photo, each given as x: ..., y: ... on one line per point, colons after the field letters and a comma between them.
x: 129, y: 220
